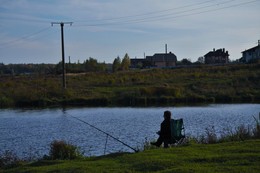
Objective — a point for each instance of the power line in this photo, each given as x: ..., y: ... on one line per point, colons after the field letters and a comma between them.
x: 145, y: 17
x: 148, y: 18
x: 11, y: 42
x: 18, y: 18
x: 168, y: 17
x: 35, y: 20
x: 172, y: 15
x: 162, y: 16
x: 136, y: 20
x: 145, y: 14
x: 207, y: 11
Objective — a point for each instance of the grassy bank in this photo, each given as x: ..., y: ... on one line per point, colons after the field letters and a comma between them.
x: 205, y: 84
x: 222, y: 157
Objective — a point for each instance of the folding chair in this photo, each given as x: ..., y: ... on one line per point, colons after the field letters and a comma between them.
x: 177, y: 131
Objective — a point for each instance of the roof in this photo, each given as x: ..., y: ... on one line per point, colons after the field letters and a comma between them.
x: 252, y: 49
x: 158, y: 57
x: 219, y: 52
x: 137, y: 59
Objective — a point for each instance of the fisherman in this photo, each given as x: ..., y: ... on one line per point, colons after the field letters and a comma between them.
x: 165, y: 131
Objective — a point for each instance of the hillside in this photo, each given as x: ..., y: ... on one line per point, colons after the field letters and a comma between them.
x: 149, y: 87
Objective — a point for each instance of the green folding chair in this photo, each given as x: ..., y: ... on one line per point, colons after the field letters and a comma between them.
x: 177, y: 131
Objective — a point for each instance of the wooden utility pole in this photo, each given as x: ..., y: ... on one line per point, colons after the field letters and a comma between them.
x: 62, y: 51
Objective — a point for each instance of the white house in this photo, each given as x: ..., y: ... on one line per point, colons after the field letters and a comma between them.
x: 252, y: 53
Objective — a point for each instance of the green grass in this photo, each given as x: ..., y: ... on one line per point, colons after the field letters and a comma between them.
x: 150, y: 87
x: 222, y: 157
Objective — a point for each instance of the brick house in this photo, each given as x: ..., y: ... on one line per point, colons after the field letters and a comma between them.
x: 219, y: 56
x: 158, y: 60
x: 162, y: 60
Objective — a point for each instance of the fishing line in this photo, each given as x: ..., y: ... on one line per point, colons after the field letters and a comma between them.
x: 108, y: 135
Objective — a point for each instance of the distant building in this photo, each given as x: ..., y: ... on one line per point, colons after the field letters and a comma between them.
x: 251, y: 54
x: 159, y: 60
x: 138, y: 63
x: 219, y: 56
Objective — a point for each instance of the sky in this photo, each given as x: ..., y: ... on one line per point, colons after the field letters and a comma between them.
x: 106, y: 29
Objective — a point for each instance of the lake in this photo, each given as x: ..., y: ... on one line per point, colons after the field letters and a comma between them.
x: 28, y: 133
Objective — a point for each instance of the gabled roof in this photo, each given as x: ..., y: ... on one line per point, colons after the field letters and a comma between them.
x: 252, y: 49
x: 159, y: 57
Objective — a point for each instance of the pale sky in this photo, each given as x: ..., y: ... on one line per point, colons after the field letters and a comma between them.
x: 105, y: 29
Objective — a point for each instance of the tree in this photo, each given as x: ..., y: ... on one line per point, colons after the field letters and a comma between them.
x: 91, y: 64
x: 125, y: 63
x: 116, y: 64
x: 186, y: 62
x: 201, y: 60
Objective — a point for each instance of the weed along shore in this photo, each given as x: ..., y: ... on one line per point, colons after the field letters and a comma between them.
x: 150, y: 87
x: 239, y: 156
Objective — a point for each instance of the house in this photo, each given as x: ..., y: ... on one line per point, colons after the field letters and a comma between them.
x: 162, y: 60
x: 219, y: 56
x: 137, y: 62
x: 159, y: 60
x: 251, y: 54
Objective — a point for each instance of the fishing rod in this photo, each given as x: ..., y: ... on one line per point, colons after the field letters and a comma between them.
x: 104, y: 133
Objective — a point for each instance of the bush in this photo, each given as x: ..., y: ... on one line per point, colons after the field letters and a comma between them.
x: 243, y: 133
x: 256, y: 130
x: 64, y: 151
x: 5, y: 101
x: 209, y: 138
x: 9, y: 159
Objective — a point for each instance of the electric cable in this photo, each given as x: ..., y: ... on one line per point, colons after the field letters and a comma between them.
x: 11, y: 42
x: 144, y: 14
x: 170, y: 15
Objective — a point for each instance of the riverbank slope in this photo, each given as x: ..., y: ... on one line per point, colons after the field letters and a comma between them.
x: 243, y: 156
x: 149, y: 87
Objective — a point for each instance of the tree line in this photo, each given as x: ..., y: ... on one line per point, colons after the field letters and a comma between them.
x: 89, y: 65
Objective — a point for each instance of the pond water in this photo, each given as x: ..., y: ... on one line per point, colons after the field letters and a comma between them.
x: 28, y: 133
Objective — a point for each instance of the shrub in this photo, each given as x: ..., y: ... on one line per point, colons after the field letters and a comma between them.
x: 227, y: 135
x: 9, y: 159
x: 242, y: 132
x: 210, y: 137
x: 63, y: 151
x: 5, y: 101
x: 256, y: 130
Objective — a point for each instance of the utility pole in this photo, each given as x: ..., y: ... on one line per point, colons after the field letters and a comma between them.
x: 62, y: 50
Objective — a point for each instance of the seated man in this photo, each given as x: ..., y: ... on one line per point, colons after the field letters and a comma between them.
x: 165, y: 131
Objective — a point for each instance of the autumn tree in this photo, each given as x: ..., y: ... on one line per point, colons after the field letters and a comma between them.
x: 116, y: 64
x: 125, y: 63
